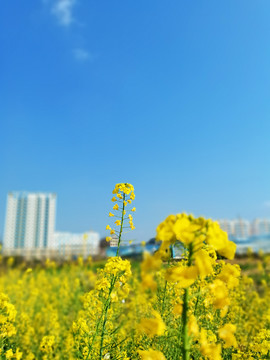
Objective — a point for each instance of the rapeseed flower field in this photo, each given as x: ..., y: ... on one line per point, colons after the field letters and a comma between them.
x: 201, y: 307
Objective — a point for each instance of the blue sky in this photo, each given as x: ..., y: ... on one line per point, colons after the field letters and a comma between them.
x: 172, y: 97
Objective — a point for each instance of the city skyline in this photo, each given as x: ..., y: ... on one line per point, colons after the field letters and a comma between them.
x: 102, y: 232
x: 32, y: 203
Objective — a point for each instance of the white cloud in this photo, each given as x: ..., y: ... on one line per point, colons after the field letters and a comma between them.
x: 82, y: 54
x: 62, y: 9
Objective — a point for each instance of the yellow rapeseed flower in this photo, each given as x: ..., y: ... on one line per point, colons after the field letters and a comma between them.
x: 151, y: 355
x: 178, y: 309
x: 193, y: 327
x: 47, y: 344
x: 148, y: 282
x: 203, y: 263
x: 152, y: 326
x: 150, y: 262
x: 209, y: 350
x: 226, y: 333
x: 230, y: 275
x: 126, y: 188
x: 9, y: 354
x: 220, y: 294
x: 229, y: 250
x: 181, y: 275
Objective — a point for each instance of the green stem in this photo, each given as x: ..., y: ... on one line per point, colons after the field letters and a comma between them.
x: 107, y: 306
x: 165, y: 287
x: 104, y: 312
x: 122, y: 222
x: 197, y: 301
x: 163, y: 299
x: 108, y: 301
x: 185, y: 336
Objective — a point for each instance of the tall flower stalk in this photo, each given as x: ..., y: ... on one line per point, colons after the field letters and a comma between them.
x: 124, y: 195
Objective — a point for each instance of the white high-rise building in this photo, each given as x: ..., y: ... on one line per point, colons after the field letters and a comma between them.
x: 30, y: 220
x: 242, y: 229
x: 261, y: 227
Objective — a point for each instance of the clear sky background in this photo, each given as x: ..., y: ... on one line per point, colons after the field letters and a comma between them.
x: 171, y: 96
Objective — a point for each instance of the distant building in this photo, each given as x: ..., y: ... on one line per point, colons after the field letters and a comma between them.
x: 239, y: 229
x: 73, y: 244
x: 242, y: 229
x: 30, y: 220
x: 261, y: 227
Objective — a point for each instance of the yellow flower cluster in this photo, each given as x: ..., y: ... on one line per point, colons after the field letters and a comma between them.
x: 152, y: 326
x: 151, y: 355
x: 124, y: 188
x: 124, y: 196
x: 7, y: 317
x: 47, y: 344
x: 7, y: 328
x: 228, y: 315
x: 41, y: 303
x: 197, y: 231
